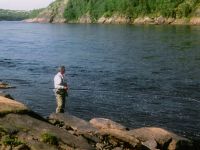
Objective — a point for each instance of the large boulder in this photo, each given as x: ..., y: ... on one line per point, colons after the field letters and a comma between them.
x: 160, y: 20
x: 163, y: 138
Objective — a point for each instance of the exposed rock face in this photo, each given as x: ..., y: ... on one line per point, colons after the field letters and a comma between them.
x: 85, y: 19
x: 38, y: 20
x: 116, y: 19
x: 195, y: 20
x: 183, y: 21
x: 52, y: 14
x: 157, y: 20
x: 144, y: 20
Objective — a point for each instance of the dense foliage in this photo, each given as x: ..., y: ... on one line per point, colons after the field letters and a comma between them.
x: 130, y: 8
x: 14, y: 15
x: 34, y: 13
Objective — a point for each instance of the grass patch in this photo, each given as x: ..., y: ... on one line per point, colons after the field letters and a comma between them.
x: 2, y: 129
x: 49, y: 138
x: 13, y: 141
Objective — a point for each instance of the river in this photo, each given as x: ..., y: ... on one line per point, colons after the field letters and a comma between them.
x: 137, y: 75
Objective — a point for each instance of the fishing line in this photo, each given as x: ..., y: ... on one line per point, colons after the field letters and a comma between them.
x: 121, y: 92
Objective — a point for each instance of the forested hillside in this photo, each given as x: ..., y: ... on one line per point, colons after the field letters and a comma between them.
x: 122, y: 11
x: 131, y: 8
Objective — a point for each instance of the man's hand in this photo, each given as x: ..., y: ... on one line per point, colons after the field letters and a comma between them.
x: 66, y: 88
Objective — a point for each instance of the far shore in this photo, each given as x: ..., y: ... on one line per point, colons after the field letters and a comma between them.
x: 121, y: 20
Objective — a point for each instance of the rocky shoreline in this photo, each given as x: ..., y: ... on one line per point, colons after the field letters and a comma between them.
x: 119, y: 19
x: 22, y: 129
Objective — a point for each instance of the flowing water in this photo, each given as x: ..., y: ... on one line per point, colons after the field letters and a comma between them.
x: 135, y: 75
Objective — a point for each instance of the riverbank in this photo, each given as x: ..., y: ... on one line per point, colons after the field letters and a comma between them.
x: 21, y: 128
x: 119, y: 19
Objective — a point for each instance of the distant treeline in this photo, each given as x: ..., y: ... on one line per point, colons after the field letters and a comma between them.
x: 15, y: 15
x: 130, y: 8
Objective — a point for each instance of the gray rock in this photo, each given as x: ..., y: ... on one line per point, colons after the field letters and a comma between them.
x: 160, y: 20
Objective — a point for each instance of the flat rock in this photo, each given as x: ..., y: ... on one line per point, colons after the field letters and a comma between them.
x: 102, y: 123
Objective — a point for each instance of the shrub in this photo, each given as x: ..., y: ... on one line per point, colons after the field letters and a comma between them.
x: 183, y: 10
x: 49, y: 138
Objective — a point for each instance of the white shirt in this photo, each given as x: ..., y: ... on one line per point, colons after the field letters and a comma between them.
x: 59, y: 81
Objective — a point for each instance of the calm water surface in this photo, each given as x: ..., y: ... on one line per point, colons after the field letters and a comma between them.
x: 135, y: 75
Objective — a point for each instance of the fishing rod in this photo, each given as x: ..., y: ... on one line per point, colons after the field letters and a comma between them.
x: 72, y: 89
x: 123, y: 92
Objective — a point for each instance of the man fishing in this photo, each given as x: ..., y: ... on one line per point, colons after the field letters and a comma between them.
x: 60, y: 89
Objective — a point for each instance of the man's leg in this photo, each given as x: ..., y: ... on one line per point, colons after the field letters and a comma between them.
x: 60, y: 103
x: 63, y: 104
